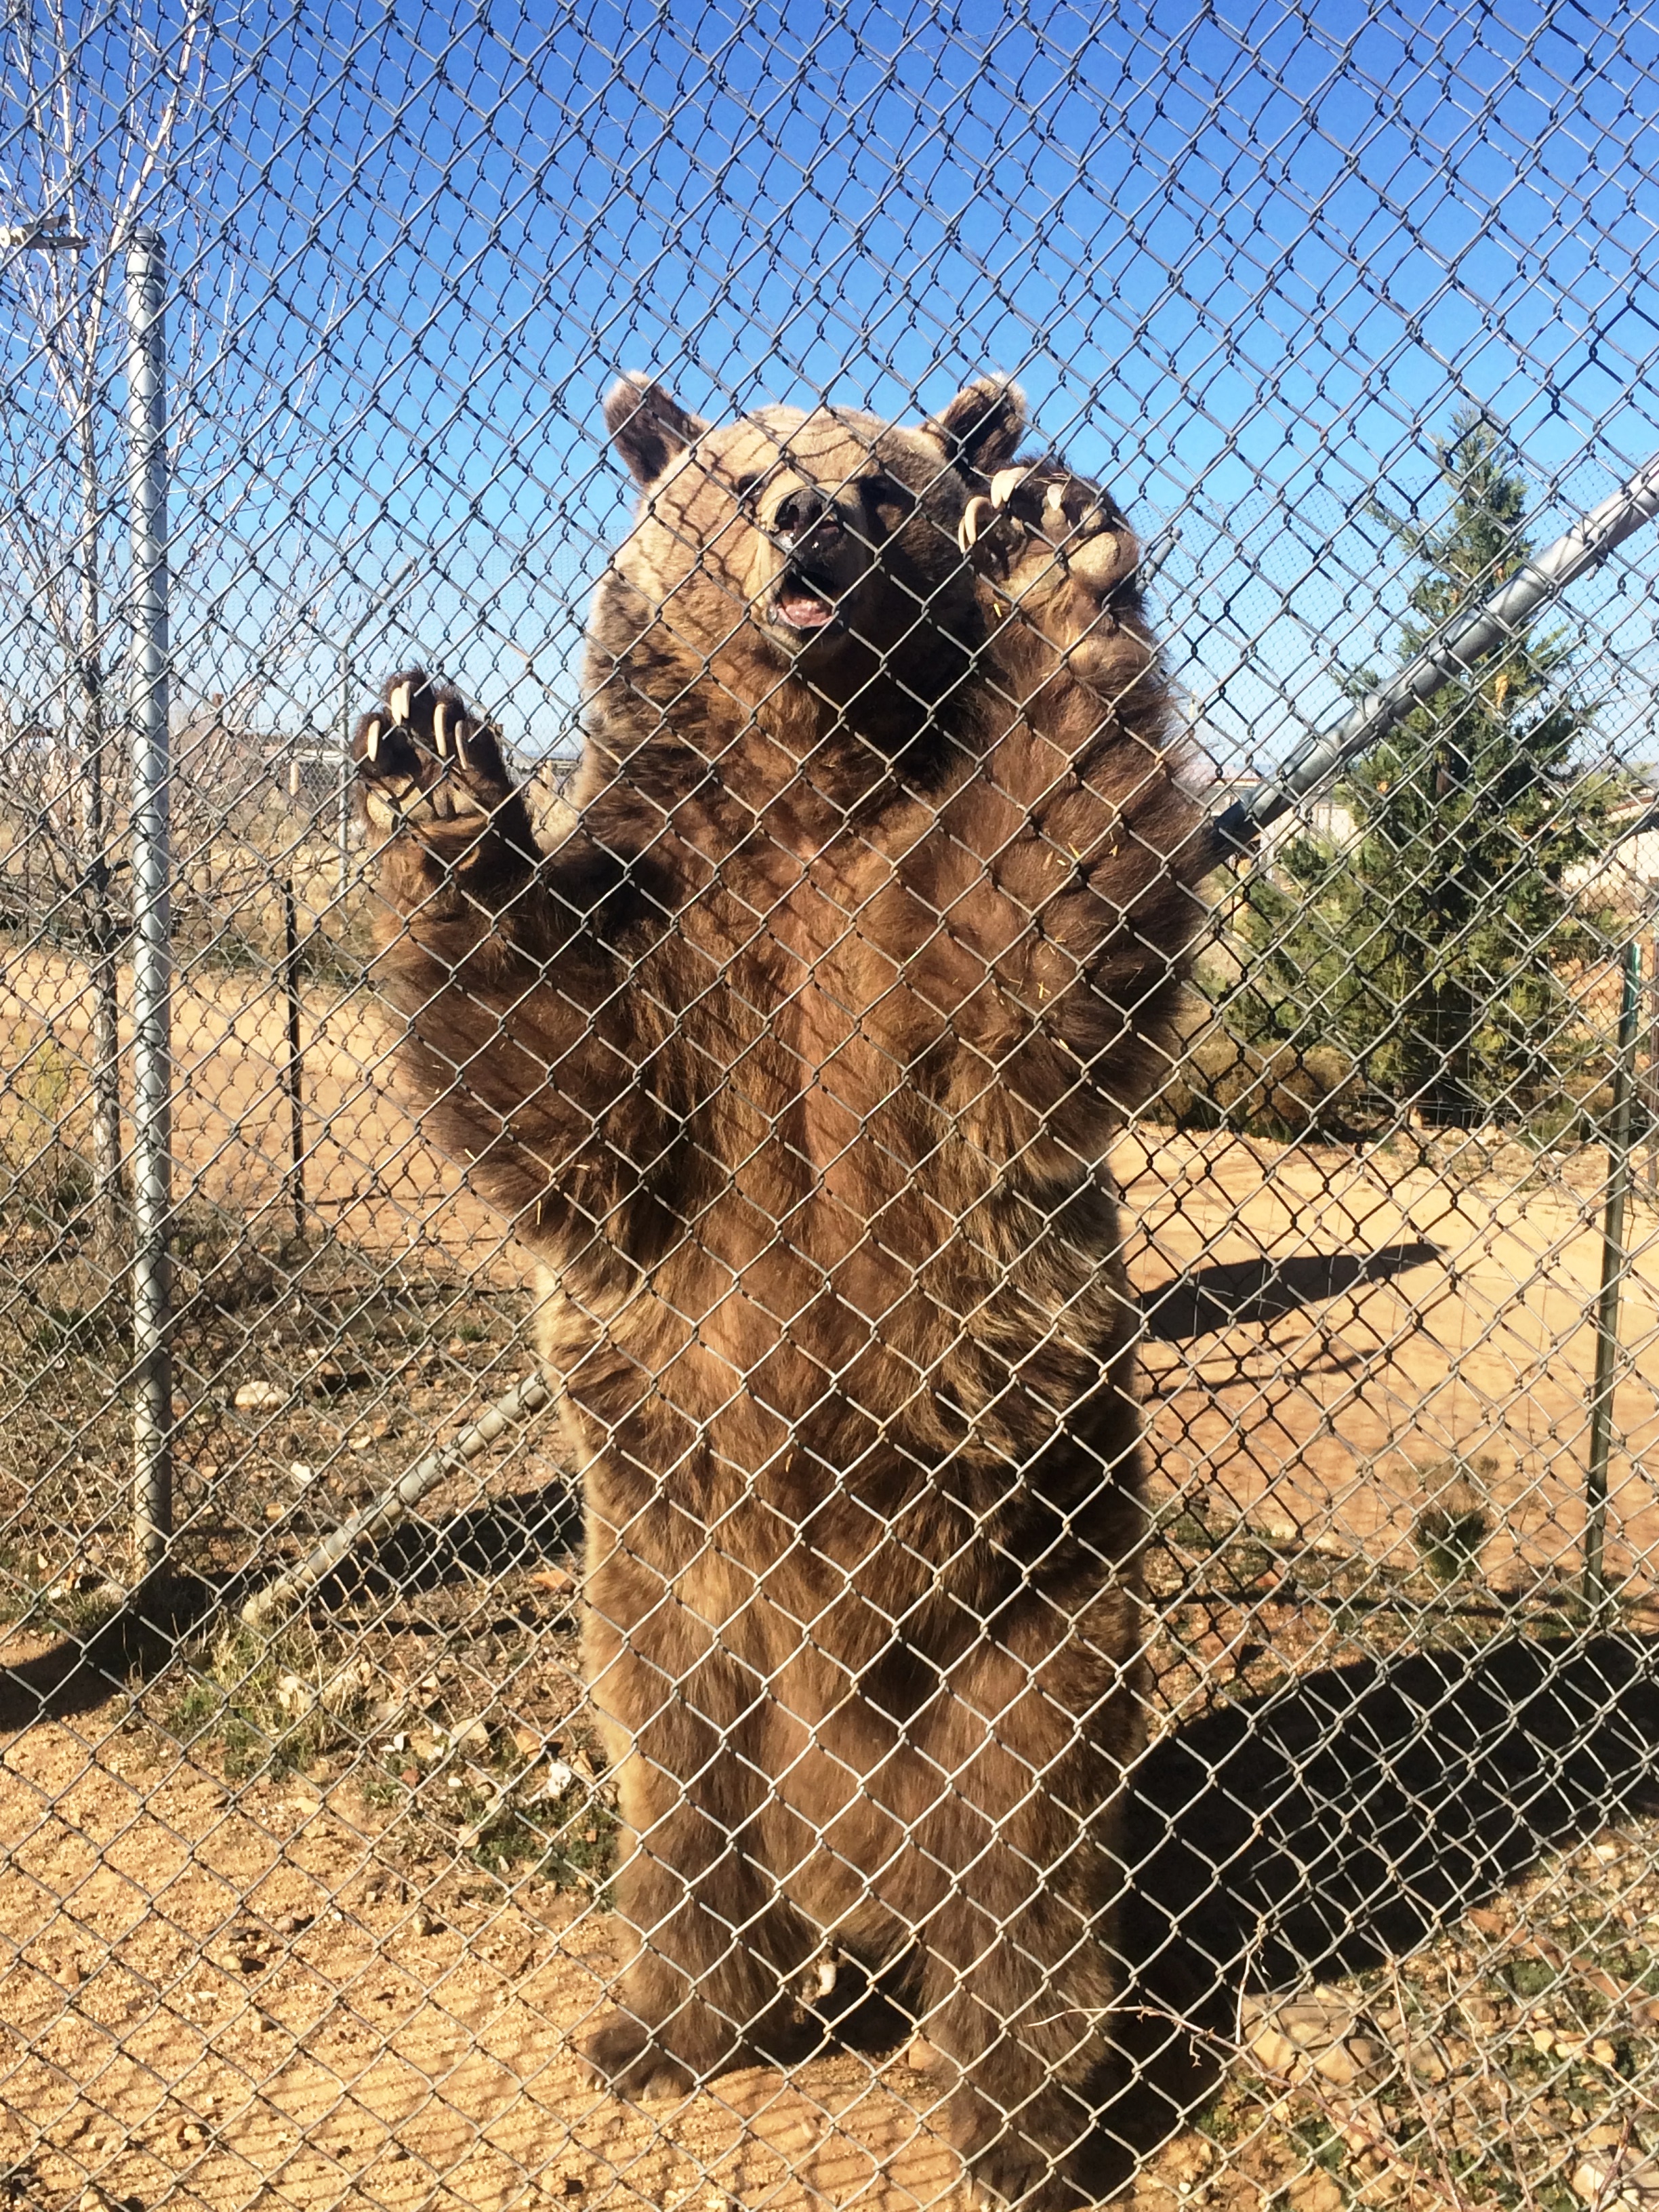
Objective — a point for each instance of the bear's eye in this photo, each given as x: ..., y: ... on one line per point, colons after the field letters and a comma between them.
x: 745, y: 487
x: 890, y: 499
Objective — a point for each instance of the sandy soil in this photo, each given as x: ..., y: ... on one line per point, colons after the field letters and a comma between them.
x: 269, y: 1990
x: 261, y: 1992
x: 1475, y: 1342
x: 224, y: 1992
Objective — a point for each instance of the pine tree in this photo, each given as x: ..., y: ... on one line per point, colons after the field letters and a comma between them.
x: 1430, y: 949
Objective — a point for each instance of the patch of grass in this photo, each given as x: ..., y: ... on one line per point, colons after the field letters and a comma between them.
x: 1455, y: 1520
x: 1320, y: 2142
x: 486, y: 1816
x: 82, y: 1613
x: 44, y: 1181
x: 571, y: 1840
x: 270, y: 1704
x: 1532, y: 1977
x: 67, y: 1330
x: 1179, y: 1523
x: 56, y: 1601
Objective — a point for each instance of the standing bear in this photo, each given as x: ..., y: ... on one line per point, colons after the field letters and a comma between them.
x: 793, y: 1065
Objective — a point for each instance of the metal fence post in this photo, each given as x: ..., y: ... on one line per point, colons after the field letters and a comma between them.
x: 1613, y: 1275
x: 347, y: 778
x: 293, y: 1070
x: 152, y: 1056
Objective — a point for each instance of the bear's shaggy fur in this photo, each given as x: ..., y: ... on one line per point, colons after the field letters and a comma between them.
x: 793, y: 1065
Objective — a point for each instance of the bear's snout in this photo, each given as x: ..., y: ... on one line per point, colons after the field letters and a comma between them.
x: 824, y: 560
x: 805, y: 513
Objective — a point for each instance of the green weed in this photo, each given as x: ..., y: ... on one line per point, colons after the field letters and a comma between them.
x: 271, y: 1703
x: 44, y: 1178
x: 1455, y: 1520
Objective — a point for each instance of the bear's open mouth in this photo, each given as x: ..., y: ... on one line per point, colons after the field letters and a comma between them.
x: 800, y: 601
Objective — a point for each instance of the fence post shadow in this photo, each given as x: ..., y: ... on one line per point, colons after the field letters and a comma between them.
x: 77, y: 1673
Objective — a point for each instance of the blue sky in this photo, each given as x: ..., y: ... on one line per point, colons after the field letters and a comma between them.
x: 1247, y: 262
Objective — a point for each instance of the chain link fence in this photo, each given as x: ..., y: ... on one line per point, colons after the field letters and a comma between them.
x: 583, y: 1616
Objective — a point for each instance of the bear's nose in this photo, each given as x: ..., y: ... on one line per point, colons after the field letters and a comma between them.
x: 805, y: 510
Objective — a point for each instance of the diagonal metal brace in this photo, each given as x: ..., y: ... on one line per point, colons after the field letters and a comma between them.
x: 1454, y: 649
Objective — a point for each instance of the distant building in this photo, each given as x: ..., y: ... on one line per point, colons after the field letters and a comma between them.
x: 1628, y: 871
x: 1320, y: 816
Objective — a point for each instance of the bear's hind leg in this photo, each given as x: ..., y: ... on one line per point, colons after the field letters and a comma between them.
x: 1028, y: 2045
x: 710, y: 1987
x: 712, y: 1983
x: 1017, y: 1980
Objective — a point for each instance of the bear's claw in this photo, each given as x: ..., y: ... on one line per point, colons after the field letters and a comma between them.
x: 1040, y: 527
x: 1037, y: 504
x: 422, y: 753
x: 1050, y: 503
x: 624, y: 2055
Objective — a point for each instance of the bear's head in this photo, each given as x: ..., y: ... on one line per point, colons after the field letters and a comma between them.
x: 825, y: 542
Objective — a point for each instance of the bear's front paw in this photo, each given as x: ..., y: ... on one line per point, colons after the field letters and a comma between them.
x: 423, y: 754
x: 627, y: 2058
x: 1039, y: 522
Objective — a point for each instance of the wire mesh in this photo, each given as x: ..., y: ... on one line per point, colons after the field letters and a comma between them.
x: 995, y: 1461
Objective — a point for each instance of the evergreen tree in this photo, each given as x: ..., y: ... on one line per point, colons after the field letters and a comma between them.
x: 1430, y: 949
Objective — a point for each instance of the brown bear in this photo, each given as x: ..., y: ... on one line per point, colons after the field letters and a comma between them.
x: 793, y: 1065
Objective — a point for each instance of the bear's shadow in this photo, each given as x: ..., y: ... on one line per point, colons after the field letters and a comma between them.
x: 1203, y: 1300
x: 1332, y: 1824
x: 1346, y: 1817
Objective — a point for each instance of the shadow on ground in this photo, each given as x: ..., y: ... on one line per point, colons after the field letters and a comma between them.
x: 1209, y: 1298
x: 76, y: 1673
x: 499, y: 1537
x: 73, y: 1674
x: 506, y: 1534
x: 1347, y: 1818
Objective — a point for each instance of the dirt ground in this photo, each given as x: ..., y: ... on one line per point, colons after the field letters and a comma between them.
x: 224, y: 1991
x: 1466, y: 1334
x: 315, y: 1924
x: 279, y: 1987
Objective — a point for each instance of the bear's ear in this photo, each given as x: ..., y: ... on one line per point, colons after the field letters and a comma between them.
x: 648, y: 425
x: 981, y: 427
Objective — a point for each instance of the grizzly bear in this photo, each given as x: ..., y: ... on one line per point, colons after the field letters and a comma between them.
x: 793, y: 1065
